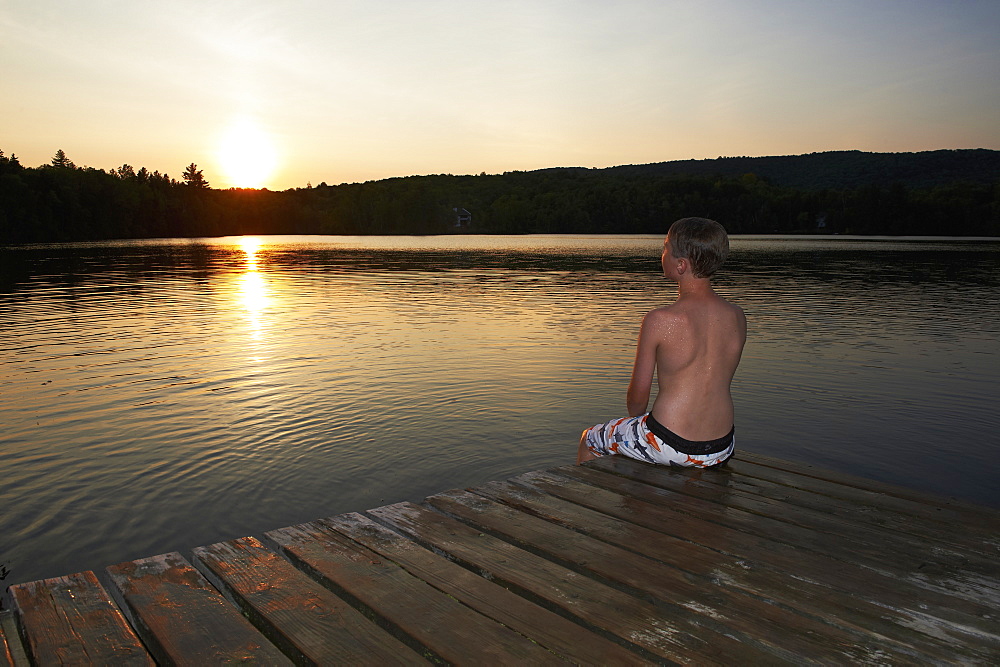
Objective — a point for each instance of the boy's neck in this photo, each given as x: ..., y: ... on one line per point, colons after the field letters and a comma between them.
x: 691, y: 286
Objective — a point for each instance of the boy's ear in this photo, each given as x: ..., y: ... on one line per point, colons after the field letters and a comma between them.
x: 683, y: 265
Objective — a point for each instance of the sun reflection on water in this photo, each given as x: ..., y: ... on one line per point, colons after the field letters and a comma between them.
x: 251, y: 246
x: 253, y: 288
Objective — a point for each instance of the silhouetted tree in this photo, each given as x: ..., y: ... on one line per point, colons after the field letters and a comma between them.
x: 60, y: 160
x: 9, y: 164
x: 193, y: 177
x: 125, y: 172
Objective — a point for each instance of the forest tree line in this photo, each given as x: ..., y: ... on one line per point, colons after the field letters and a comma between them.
x: 931, y: 193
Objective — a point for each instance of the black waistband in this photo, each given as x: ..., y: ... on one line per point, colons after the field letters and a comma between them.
x: 697, y: 447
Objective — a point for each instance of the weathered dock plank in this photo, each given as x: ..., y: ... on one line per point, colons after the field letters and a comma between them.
x: 612, y: 562
x: 765, y: 542
x: 307, y: 621
x: 839, y: 484
x: 729, y: 607
x: 551, y: 630
x: 434, y: 621
x: 6, y: 652
x: 870, y: 543
x: 72, y: 620
x: 857, y: 506
x: 667, y: 632
x: 716, y: 568
x: 182, y: 619
x: 946, y: 570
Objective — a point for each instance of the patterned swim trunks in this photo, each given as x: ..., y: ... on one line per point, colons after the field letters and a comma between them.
x: 644, y: 439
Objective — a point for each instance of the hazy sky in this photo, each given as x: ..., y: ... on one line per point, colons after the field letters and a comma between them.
x: 279, y: 94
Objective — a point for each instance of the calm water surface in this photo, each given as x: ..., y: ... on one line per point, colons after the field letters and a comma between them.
x: 161, y: 395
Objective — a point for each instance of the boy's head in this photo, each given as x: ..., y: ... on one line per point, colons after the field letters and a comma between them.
x: 703, y: 242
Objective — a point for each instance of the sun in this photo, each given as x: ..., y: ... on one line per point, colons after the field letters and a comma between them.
x: 246, y: 154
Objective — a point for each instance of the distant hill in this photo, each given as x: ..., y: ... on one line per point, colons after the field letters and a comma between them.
x: 842, y: 169
x: 956, y: 192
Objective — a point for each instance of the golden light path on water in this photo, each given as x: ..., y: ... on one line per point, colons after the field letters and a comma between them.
x: 253, y: 288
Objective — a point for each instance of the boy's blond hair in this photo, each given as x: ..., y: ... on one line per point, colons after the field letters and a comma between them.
x: 702, y: 242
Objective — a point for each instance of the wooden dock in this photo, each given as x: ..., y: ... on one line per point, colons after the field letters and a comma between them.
x: 612, y: 562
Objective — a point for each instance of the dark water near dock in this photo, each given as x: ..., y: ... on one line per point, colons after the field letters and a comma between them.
x: 160, y: 395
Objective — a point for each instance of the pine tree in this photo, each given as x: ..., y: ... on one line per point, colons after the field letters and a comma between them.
x: 9, y: 165
x: 61, y: 161
x: 193, y: 177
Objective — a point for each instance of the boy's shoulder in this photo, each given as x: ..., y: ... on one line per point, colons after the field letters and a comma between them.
x: 664, y: 315
x: 684, y: 309
x: 663, y: 311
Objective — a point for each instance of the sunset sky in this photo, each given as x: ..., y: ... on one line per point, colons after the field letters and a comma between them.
x: 281, y: 94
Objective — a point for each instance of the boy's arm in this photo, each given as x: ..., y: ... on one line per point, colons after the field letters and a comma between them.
x: 642, y: 371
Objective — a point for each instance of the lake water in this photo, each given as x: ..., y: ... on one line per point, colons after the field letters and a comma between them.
x: 161, y: 395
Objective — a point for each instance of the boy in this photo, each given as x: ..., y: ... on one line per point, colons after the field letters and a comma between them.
x: 694, y: 346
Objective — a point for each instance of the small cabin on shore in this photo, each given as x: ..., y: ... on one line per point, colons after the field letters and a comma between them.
x: 462, y: 218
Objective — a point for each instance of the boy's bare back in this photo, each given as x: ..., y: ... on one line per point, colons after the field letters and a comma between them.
x: 694, y: 345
